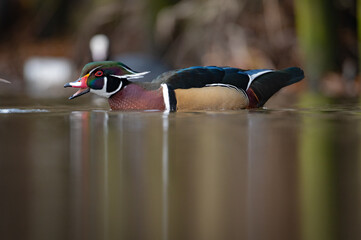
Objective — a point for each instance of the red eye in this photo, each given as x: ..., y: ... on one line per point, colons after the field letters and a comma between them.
x: 99, y: 73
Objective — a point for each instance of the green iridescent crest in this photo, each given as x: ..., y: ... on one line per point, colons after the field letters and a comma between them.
x: 109, y: 67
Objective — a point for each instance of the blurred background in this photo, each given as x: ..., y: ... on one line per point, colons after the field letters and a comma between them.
x: 286, y: 171
x: 45, y: 43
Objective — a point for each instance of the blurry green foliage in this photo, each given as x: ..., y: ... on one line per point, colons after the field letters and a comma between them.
x: 316, y: 31
x: 359, y: 30
x: 327, y: 35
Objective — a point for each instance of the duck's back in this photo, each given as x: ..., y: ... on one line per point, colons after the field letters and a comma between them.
x: 225, y: 87
x: 199, y: 77
x: 207, y: 88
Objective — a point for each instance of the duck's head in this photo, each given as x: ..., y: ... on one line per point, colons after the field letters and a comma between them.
x: 103, y: 78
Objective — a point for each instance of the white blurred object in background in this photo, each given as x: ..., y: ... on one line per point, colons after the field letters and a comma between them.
x: 45, y: 76
x: 99, y: 47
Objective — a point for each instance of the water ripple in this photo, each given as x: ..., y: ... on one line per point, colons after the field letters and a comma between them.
x: 18, y: 110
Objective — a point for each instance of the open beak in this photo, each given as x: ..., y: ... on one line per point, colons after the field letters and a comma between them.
x: 80, y: 83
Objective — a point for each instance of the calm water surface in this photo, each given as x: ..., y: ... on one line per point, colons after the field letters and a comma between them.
x: 276, y: 173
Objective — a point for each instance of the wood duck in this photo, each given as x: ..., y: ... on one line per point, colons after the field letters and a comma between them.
x: 194, y: 88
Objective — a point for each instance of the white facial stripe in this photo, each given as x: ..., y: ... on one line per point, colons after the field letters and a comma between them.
x: 120, y: 87
x: 128, y: 69
x: 166, y: 97
x: 91, y: 71
x: 103, y: 92
x: 131, y: 76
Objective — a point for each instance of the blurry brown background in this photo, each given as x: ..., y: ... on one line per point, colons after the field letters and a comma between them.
x: 318, y: 35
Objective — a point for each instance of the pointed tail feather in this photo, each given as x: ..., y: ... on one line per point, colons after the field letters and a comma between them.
x: 266, y: 85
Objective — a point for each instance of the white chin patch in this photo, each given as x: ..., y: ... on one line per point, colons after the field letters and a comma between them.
x: 101, y: 93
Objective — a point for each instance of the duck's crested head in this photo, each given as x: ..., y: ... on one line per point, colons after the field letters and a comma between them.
x: 103, y: 78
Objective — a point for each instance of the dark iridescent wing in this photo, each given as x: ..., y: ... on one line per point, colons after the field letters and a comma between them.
x: 263, y: 82
x: 197, y: 77
x: 266, y: 85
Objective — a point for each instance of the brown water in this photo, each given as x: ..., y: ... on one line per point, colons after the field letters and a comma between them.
x: 277, y: 173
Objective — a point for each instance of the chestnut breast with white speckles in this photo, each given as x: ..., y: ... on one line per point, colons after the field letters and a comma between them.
x: 134, y: 97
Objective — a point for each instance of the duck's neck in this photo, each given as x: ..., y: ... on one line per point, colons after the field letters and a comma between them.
x: 135, y: 97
